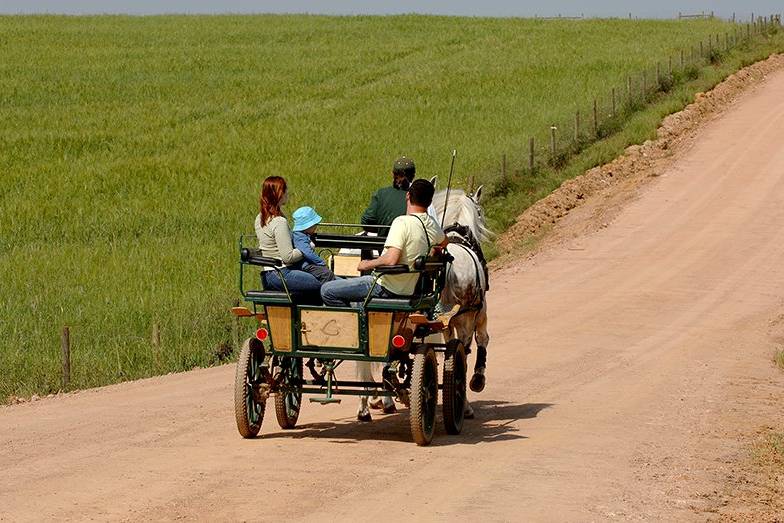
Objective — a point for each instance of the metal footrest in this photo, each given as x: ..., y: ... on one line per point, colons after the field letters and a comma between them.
x: 324, y: 400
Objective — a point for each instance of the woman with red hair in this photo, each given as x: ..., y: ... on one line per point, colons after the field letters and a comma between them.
x: 272, y: 230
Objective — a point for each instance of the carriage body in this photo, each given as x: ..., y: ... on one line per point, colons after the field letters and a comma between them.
x: 293, y: 337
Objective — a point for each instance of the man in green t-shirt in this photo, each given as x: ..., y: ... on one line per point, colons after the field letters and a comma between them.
x: 410, y: 236
x: 388, y: 203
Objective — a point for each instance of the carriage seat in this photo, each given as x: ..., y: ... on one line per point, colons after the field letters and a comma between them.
x: 402, y: 304
x: 267, y: 297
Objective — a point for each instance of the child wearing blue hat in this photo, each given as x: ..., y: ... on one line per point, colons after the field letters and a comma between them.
x: 305, y: 222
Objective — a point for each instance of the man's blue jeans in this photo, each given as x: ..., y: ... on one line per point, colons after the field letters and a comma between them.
x: 304, y: 287
x: 340, y: 293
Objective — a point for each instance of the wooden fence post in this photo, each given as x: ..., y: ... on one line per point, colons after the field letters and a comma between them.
x: 577, y: 126
x: 614, y: 107
x: 65, y: 346
x: 595, y: 117
x: 644, y: 86
x: 531, y: 154
x: 156, y: 336
x: 552, y: 142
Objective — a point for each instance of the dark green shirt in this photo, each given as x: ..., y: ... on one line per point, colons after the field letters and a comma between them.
x: 386, y: 205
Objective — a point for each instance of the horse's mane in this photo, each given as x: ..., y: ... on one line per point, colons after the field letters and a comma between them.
x: 463, y: 210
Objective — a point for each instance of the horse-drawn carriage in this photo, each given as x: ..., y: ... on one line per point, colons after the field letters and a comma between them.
x: 297, y: 347
x: 295, y: 338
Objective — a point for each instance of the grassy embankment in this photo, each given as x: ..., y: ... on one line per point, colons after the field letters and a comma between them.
x: 131, y: 152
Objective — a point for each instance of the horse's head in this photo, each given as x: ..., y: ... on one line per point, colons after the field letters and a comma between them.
x: 463, y: 208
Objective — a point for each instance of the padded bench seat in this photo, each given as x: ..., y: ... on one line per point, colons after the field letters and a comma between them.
x: 411, y: 304
x: 276, y: 297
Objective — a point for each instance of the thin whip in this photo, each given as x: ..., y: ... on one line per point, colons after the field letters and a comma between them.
x: 448, y: 187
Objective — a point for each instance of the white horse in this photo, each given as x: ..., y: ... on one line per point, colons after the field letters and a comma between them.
x: 465, y: 286
x: 466, y: 282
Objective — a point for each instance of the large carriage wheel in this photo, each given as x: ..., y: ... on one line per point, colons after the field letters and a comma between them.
x: 424, y: 396
x: 454, y: 393
x: 288, y: 403
x: 248, y: 407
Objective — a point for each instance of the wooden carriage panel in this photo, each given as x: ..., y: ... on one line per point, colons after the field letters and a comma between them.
x: 279, y: 322
x: 330, y: 329
x: 379, y: 332
x: 345, y: 264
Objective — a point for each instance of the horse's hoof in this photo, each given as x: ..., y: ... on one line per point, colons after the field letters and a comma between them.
x: 468, y: 414
x: 404, y: 398
x: 477, y: 383
x: 364, y: 417
x: 376, y: 404
x: 390, y: 409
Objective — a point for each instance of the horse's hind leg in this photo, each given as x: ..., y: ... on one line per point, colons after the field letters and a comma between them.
x: 364, y: 373
x: 477, y: 383
x: 463, y: 329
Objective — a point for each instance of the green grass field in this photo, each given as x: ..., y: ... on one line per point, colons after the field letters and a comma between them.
x: 132, y: 149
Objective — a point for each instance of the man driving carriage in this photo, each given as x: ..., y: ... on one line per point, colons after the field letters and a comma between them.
x: 388, y: 203
x: 410, y: 236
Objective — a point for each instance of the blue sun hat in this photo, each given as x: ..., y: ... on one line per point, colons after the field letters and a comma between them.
x: 304, y: 218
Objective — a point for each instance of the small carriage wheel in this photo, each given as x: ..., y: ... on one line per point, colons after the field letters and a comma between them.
x: 454, y: 393
x: 424, y: 396
x: 248, y: 407
x: 288, y: 403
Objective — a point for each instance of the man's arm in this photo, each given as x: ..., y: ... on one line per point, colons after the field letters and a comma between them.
x: 391, y: 256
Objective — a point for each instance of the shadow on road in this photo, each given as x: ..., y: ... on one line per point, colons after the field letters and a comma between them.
x: 495, y: 421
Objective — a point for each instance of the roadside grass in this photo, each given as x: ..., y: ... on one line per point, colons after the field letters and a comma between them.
x: 132, y: 149
x: 522, y: 189
x: 769, y: 451
x: 778, y: 358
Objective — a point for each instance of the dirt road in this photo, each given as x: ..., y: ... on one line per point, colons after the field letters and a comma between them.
x: 627, y: 370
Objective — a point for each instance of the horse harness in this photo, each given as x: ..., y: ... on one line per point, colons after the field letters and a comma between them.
x: 465, y: 239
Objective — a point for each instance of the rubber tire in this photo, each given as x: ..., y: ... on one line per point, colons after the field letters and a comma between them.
x: 453, y: 399
x: 247, y: 427
x: 288, y: 419
x: 424, y: 396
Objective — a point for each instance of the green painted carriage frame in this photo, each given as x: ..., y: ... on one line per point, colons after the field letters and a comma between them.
x: 264, y: 370
x: 424, y: 302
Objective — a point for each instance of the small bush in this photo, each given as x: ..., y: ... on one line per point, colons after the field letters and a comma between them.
x: 715, y: 56
x: 778, y: 358
x: 666, y: 83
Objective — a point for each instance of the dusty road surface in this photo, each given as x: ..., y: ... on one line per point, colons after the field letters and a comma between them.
x: 628, y: 368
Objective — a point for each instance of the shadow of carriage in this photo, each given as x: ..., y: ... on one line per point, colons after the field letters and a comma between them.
x: 495, y: 421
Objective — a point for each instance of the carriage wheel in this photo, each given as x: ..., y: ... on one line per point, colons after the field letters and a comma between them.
x: 424, y: 396
x: 454, y: 394
x: 248, y: 407
x: 287, y: 404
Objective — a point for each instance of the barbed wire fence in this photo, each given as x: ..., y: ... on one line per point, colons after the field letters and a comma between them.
x: 608, y: 111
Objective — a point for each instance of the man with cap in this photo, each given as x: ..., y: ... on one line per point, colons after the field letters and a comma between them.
x: 390, y: 202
